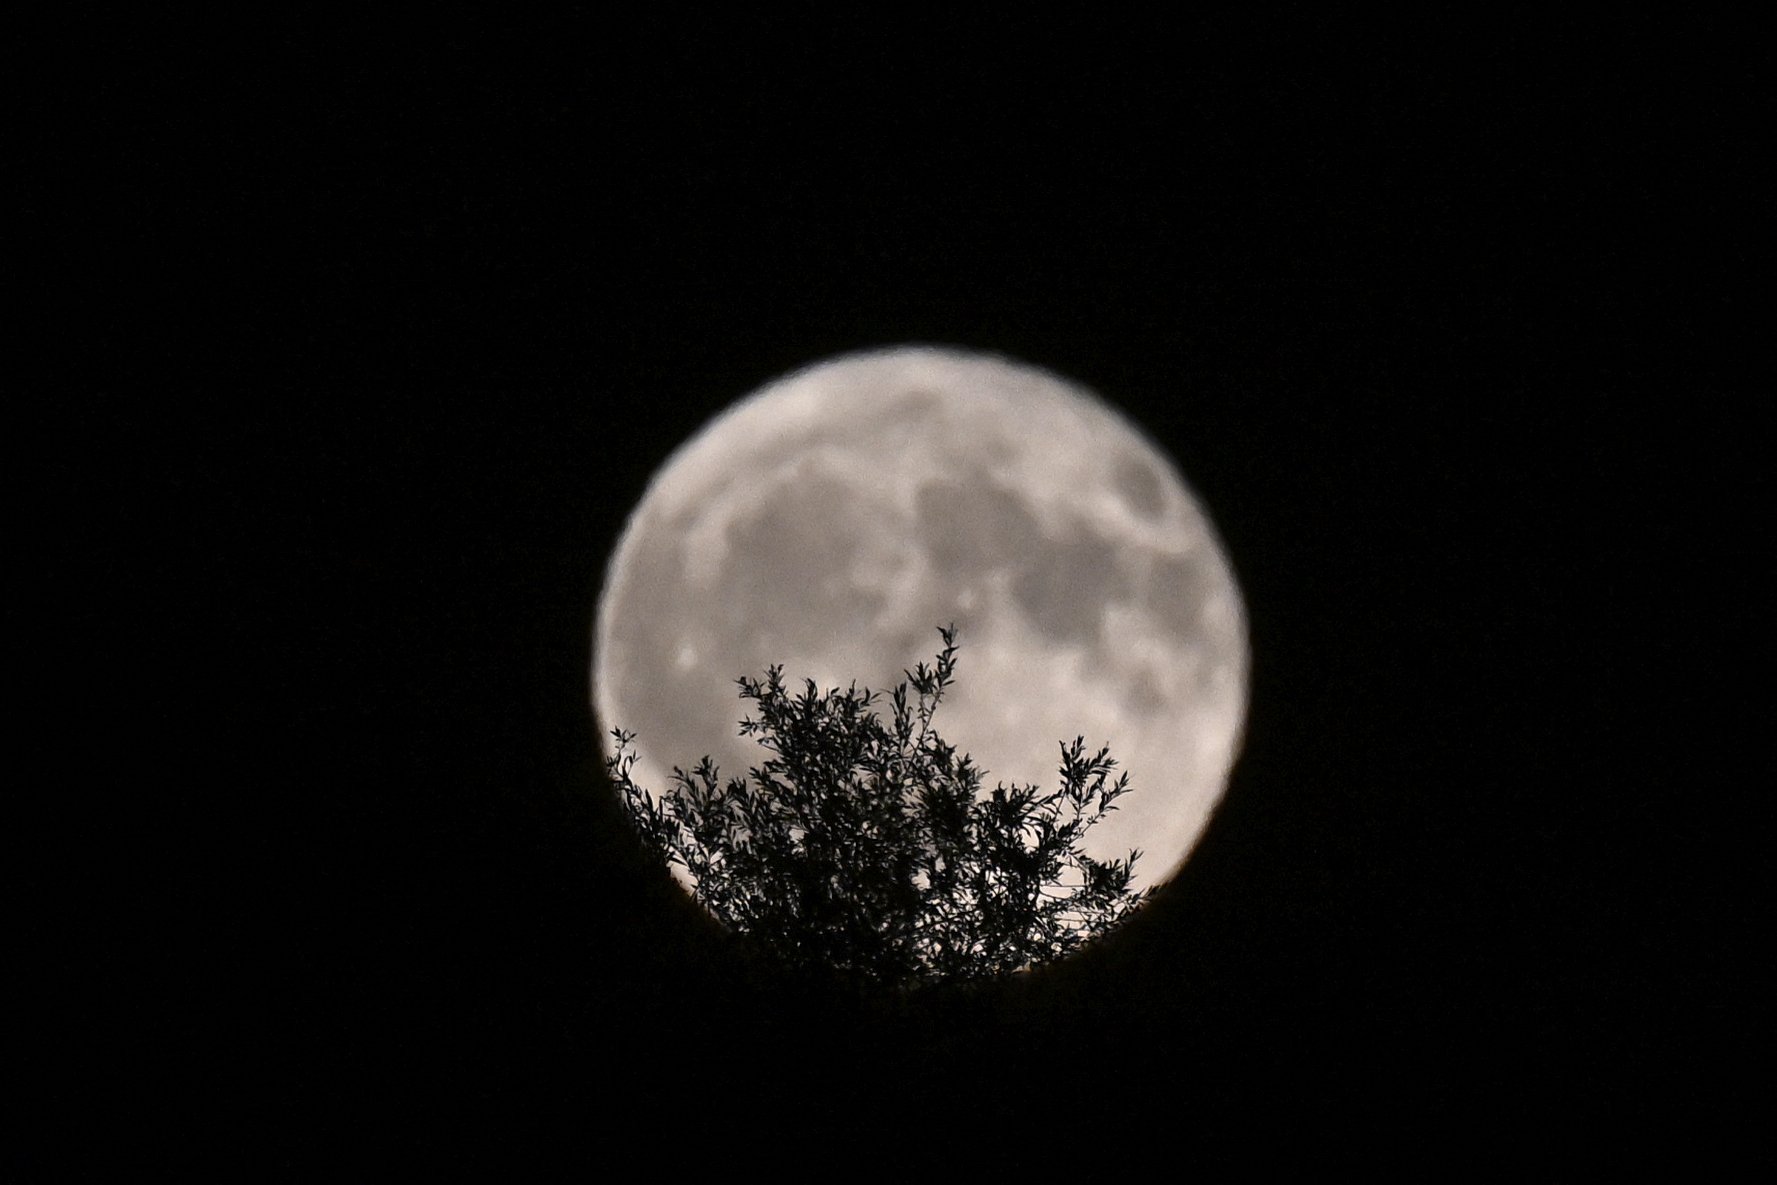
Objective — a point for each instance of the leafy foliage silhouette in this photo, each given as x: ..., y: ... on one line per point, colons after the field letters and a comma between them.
x: 867, y: 845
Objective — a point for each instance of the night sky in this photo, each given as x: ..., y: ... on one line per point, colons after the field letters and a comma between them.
x: 379, y: 335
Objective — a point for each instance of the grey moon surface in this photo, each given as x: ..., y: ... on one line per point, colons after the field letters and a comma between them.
x: 833, y: 519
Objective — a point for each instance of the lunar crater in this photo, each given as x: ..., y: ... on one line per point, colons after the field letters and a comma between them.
x: 1139, y: 486
x: 968, y: 528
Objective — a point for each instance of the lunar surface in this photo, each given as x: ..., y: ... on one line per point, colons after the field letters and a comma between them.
x: 832, y: 520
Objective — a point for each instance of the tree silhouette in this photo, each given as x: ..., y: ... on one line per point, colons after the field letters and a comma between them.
x: 866, y: 845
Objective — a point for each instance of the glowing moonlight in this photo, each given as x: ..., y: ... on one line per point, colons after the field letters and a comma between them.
x: 833, y: 519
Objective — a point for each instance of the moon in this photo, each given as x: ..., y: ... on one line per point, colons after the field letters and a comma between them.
x: 833, y: 519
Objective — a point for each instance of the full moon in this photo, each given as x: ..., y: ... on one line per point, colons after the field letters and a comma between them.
x: 832, y: 520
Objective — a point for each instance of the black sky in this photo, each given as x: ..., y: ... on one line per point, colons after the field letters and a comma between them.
x: 378, y: 335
